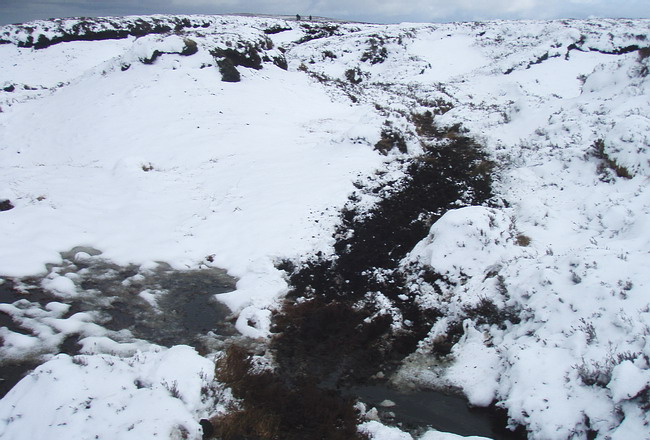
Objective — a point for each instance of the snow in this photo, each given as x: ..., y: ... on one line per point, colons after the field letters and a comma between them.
x: 628, y: 381
x: 164, y: 162
x: 630, y: 143
x: 441, y: 53
x: 376, y: 431
x: 459, y: 243
x: 64, y: 62
x: 59, y: 285
x: 476, y: 368
x: 48, y: 325
x: 110, y: 396
x: 248, y: 176
x: 254, y: 323
x: 436, y: 435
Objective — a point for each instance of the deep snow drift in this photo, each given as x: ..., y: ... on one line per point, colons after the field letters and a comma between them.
x: 119, y: 135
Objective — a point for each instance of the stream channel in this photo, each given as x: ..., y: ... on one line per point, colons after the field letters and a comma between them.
x: 170, y: 307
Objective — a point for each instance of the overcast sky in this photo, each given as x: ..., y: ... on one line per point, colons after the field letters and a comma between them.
x: 384, y: 11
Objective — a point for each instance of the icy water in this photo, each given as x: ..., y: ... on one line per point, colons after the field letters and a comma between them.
x: 185, y: 310
x: 160, y: 305
x: 420, y: 409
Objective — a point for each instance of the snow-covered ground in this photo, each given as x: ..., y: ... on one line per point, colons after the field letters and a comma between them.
x: 152, y: 158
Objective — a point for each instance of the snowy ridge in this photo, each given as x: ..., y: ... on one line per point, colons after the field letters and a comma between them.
x: 134, y: 146
x: 43, y: 33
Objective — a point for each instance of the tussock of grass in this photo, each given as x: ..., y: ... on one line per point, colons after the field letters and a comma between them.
x: 608, y: 162
x: 391, y: 139
x: 522, y: 240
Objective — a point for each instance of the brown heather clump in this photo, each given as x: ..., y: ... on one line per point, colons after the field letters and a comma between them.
x: 274, y: 409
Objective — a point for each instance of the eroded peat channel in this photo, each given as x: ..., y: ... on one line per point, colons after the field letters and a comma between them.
x: 347, y: 323
x: 361, y: 295
x: 350, y: 319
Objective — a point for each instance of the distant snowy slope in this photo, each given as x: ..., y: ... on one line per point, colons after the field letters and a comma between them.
x: 152, y: 161
x: 133, y: 136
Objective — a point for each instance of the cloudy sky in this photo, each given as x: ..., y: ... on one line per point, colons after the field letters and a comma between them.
x: 381, y: 11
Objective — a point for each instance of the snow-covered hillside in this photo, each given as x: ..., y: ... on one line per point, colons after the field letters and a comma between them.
x: 237, y: 142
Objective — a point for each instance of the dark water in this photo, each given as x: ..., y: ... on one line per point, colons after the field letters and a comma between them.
x: 418, y: 410
x: 183, y: 309
x: 11, y: 373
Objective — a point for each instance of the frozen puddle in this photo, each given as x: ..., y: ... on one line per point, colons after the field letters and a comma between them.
x: 87, y: 304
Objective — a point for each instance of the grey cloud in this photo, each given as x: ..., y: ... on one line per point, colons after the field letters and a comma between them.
x: 361, y: 10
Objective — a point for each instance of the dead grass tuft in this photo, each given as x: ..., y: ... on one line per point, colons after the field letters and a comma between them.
x: 272, y: 408
x: 391, y: 139
x: 607, y: 162
x: 644, y: 53
x: 522, y: 240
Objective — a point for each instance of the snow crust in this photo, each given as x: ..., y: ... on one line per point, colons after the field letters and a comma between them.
x: 164, y: 162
